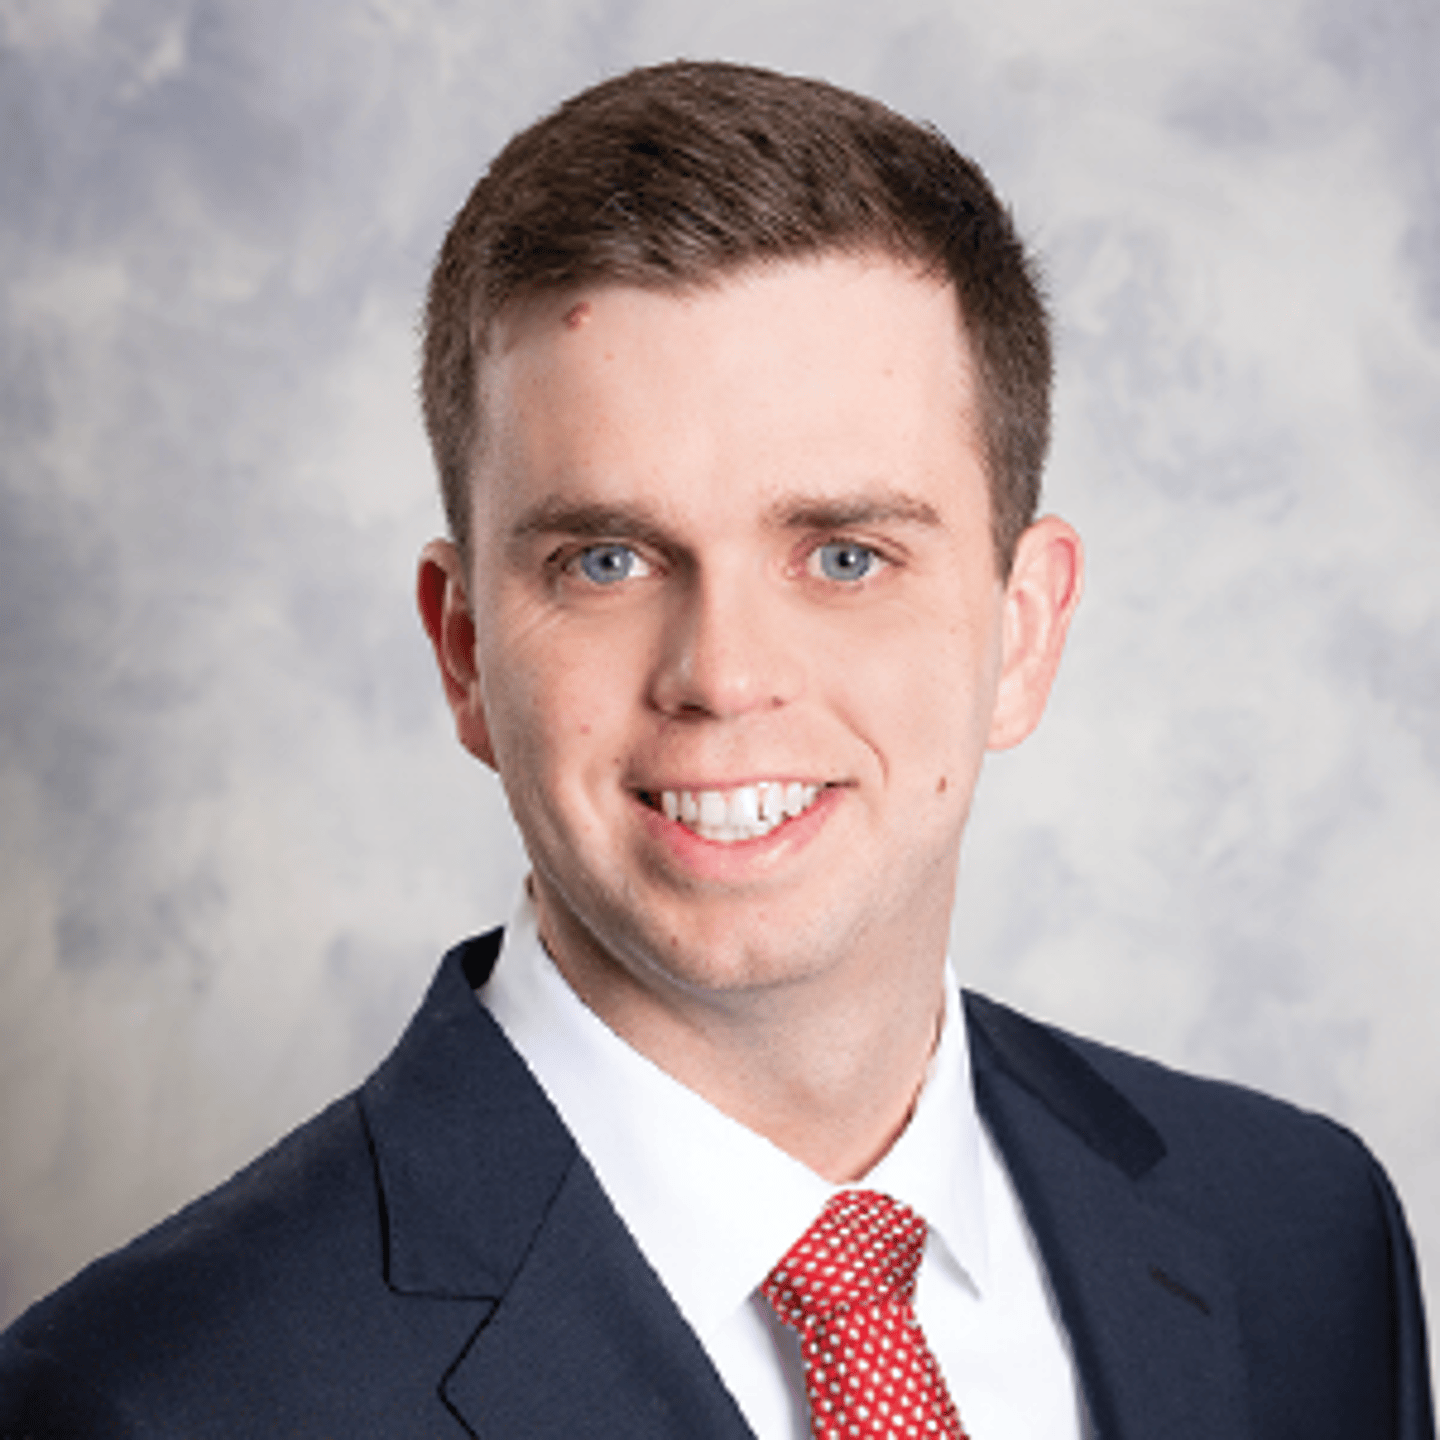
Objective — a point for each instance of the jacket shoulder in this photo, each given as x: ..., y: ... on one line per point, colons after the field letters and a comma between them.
x: 1167, y: 1119
x: 1313, y: 1232
x: 267, y: 1298
x: 237, y: 1291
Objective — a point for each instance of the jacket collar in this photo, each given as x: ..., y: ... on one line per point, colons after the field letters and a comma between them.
x: 448, y: 1111
x: 486, y: 1196
x: 1147, y: 1298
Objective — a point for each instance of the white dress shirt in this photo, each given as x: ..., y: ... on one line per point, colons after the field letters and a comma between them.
x: 713, y: 1205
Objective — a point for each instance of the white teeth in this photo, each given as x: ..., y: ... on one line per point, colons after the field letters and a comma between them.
x: 772, y: 803
x: 744, y: 813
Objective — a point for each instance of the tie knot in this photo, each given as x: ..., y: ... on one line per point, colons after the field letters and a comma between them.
x: 864, y: 1249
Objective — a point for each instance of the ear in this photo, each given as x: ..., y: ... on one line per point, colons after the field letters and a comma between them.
x: 1040, y: 597
x: 445, y: 611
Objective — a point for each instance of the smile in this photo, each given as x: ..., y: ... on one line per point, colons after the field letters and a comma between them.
x: 743, y: 813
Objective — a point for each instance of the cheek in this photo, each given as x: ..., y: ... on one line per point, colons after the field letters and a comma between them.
x: 922, y: 704
x: 555, y: 710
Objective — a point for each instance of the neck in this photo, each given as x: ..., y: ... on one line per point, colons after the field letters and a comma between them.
x: 827, y: 1067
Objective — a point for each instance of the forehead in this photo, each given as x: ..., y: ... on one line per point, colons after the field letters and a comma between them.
x: 864, y: 293
x: 805, y: 372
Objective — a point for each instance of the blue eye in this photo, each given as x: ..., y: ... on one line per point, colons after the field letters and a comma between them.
x: 845, y: 560
x: 609, y: 564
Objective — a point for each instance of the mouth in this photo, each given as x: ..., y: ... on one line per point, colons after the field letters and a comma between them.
x: 743, y: 812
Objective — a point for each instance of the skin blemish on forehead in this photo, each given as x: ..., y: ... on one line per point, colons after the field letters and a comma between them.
x: 577, y: 315
x: 943, y: 785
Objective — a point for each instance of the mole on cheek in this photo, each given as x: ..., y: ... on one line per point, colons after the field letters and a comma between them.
x: 577, y: 315
x: 942, y: 786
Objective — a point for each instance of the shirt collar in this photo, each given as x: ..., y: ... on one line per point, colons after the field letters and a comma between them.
x: 712, y: 1204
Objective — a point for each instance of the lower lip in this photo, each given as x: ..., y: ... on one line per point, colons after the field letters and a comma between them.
x: 739, y: 859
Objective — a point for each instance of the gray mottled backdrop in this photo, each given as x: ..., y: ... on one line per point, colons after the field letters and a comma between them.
x: 234, y: 829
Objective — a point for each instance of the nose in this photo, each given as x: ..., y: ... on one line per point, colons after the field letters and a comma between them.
x: 727, y: 650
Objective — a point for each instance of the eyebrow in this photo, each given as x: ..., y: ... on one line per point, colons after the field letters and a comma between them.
x: 554, y: 516
x: 863, y: 507
x: 585, y: 520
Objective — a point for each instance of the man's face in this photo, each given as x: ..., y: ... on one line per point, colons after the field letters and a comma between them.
x: 738, y: 631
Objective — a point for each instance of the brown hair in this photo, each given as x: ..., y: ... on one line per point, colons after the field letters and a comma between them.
x: 677, y: 175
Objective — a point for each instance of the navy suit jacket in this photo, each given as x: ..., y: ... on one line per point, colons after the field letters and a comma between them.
x: 432, y: 1257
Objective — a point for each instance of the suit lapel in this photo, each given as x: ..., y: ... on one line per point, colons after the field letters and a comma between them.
x: 588, y: 1342
x: 486, y: 1197
x: 1147, y: 1299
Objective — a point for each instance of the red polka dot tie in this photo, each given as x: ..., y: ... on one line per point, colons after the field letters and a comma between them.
x: 847, y: 1287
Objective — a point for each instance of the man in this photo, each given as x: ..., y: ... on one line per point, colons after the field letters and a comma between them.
x: 738, y: 388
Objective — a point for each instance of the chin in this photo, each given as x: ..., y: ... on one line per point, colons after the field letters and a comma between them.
x: 731, y: 955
